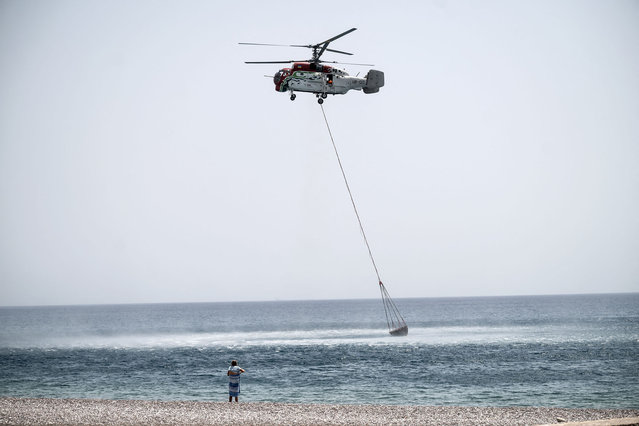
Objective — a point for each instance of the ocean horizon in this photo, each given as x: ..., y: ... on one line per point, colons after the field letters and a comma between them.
x: 278, y: 300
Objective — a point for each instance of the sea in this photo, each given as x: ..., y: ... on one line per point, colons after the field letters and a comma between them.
x: 573, y: 351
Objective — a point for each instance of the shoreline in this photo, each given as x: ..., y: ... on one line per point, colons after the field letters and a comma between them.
x: 21, y: 411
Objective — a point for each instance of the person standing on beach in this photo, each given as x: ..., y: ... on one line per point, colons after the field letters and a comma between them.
x: 234, y: 380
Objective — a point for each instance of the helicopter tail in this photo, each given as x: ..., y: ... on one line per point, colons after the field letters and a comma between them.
x: 374, y: 80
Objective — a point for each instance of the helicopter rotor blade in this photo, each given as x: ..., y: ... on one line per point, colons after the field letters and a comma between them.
x: 271, y: 44
x: 270, y: 62
x: 318, y: 49
x: 347, y: 63
x: 263, y: 44
x: 324, y: 44
x: 338, y: 51
x: 336, y: 37
x: 317, y: 45
x: 321, y: 62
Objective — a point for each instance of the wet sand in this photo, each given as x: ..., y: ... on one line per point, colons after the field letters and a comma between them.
x: 22, y: 411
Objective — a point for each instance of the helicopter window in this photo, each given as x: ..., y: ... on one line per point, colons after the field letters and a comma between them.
x: 277, y: 76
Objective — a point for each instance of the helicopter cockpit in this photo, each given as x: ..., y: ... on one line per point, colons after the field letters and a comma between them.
x: 279, y: 79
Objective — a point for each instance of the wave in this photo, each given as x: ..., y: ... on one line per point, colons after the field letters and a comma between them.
x: 450, y: 335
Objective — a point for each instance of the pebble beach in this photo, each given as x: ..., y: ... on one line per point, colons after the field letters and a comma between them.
x: 33, y: 411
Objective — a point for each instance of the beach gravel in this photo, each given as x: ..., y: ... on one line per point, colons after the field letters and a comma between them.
x: 42, y: 411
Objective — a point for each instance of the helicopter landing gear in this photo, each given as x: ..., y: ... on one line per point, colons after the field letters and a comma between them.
x: 320, y: 101
x: 293, y: 96
x: 321, y: 97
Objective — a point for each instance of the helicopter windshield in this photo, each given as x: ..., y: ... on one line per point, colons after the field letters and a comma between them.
x: 277, y: 76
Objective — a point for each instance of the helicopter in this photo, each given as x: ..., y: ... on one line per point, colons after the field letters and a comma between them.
x: 314, y: 76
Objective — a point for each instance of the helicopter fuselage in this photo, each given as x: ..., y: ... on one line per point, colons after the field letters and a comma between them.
x: 316, y: 78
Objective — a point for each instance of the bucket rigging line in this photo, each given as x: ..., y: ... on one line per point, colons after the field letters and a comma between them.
x: 396, y: 324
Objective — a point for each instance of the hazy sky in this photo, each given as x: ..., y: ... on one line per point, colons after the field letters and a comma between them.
x: 142, y: 161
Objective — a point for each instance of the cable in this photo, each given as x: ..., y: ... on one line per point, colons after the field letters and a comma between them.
x: 361, y: 228
x: 396, y: 324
